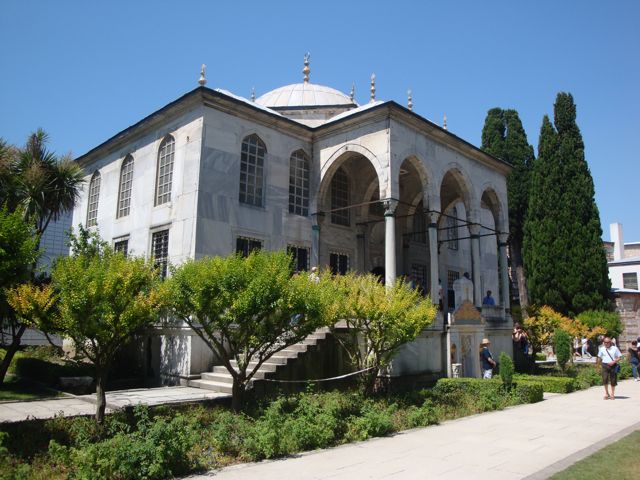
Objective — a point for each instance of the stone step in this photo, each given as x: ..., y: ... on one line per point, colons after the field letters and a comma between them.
x: 267, y: 366
x: 212, y: 386
x: 226, y: 376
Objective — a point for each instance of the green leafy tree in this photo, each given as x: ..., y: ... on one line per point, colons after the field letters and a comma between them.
x: 609, y: 322
x: 17, y: 253
x: 564, y: 256
x: 42, y: 186
x: 378, y: 319
x: 562, y: 347
x: 504, y: 137
x: 246, y: 309
x: 98, y: 298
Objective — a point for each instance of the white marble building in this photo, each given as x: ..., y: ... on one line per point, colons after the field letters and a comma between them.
x: 370, y: 187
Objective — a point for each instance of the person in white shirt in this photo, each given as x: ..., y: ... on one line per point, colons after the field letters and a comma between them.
x: 609, y: 356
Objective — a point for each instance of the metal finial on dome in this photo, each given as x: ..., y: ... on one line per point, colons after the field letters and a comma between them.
x: 203, y: 80
x: 373, y: 87
x: 253, y: 94
x: 352, y: 93
x: 409, y: 100
x: 444, y: 122
x: 306, y: 70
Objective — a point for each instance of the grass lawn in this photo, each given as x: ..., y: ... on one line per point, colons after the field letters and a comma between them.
x: 16, y: 390
x: 618, y: 460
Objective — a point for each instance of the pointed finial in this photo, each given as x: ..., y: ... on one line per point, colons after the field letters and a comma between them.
x: 352, y: 94
x: 253, y: 94
x: 306, y: 70
x: 203, y: 80
x: 373, y: 87
x: 444, y: 122
x: 409, y: 100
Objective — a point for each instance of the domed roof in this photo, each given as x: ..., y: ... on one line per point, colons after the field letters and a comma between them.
x: 304, y: 95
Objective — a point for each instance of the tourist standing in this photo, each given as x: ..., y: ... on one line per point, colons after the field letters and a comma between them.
x: 585, y: 347
x: 609, y: 355
x: 488, y: 300
x: 634, y: 359
x: 520, y: 338
x: 486, y: 359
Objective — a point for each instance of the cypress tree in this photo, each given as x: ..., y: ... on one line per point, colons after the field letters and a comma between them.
x: 564, y: 256
x: 504, y: 137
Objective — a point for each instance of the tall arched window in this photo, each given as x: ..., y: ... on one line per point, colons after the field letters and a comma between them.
x: 299, y: 183
x: 124, y: 191
x: 165, y: 170
x: 452, y: 229
x: 340, y: 198
x: 94, y: 196
x: 252, y: 171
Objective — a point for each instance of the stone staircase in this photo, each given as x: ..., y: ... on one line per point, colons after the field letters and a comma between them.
x: 220, y: 380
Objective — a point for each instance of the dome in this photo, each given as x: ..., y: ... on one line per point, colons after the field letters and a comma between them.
x: 304, y: 95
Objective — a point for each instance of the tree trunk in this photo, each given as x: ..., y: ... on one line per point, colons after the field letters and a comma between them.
x: 11, y: 351
x: 237, y: 395
x: 516, y: 264
x: 101, y: 397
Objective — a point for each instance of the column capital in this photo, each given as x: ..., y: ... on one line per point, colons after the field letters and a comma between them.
x: 390, y: 205
x: 474, y: 229
x: 433, y: 218
x: 503, y: 239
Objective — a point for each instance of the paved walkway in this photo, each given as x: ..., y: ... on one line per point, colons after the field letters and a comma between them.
x: 528, y: 441
x: 85, y: 404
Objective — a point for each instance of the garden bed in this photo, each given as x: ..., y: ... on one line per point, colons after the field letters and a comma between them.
x: 168, y: 441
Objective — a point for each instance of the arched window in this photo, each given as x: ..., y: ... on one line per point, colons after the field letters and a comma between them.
x: 452, y: 229
x: 252, y: 171
x: 299, y: 183
x: 164, y: 175
x: 340, y: 198
x: 94, y: 196
x: 124, y: 191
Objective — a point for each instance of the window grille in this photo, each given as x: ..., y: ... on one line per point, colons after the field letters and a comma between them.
x: 245, y: 245
x: 340, y: 198
x: 630, y: 280
x: 160, y: 251
x: 122, y: 246
x: 299, y: 183
x: 165, y: 170
x: 94, y: 196
x: 252, y: 171
x: 338, y: 263
x: 124, y: 193
x: 300, y: 257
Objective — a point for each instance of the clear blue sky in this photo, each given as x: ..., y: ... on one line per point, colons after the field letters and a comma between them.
x: 86, y: 70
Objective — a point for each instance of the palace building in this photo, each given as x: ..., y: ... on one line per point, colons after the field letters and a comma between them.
x: 370, y: 187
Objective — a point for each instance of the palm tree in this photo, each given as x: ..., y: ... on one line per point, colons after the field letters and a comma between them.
x: 43, y: 187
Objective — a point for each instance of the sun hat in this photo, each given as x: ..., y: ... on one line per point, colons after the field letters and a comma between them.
x: 485, y: 341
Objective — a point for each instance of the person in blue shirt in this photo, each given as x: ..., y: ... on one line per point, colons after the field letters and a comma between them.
x: 488, y: 300
x: 486, y: 359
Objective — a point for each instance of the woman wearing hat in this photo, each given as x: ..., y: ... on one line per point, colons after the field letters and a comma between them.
x: 486, y: 359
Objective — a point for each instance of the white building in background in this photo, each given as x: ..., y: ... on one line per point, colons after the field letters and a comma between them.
x: 369, y: 187
x: 624, y: 270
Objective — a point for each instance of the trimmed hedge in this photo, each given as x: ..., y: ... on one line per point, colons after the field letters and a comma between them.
x: 452, y: 390
x: 550, y: 384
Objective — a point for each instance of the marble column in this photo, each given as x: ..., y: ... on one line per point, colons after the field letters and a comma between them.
x: 362, y: 248
x: 504, y: 272
x: 390, y: 241
x: 433, y: 257
x: 474, y: 230
x: 315, y: 241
